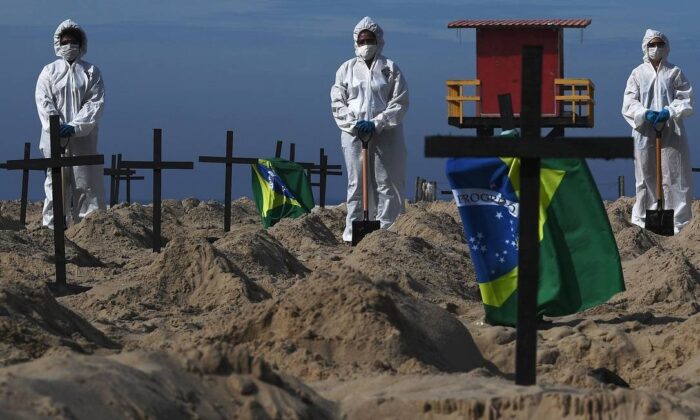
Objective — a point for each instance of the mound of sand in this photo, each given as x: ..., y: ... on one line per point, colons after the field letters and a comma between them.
x: 440, y: 275
x: 633, y: 241
x: 40, y: 245
x: 32, y: 323
x: 189, y: 289
x: 208, y: 216
x: 338, y: 323
x: 333, y: 217
x: 304, y: 233
x: 193, y: 272
x: 688, y: 239
x: 10, y: 212
x: 310, y: 240
x: 620, y: 213
x: 662, y: 280
x: 124, y: 234
x: 437, y: 228
x: 258, y: 251
x: 152, y: 385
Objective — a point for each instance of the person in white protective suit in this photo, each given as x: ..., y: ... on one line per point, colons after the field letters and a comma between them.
x: 658, y: 93
x: 370, y: 98
x: 72, y: 89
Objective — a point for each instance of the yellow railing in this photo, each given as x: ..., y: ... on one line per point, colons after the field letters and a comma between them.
x: 456, y: 98
x: 575, y: 96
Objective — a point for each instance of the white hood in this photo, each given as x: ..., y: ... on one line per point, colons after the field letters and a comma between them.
x: 63, y: 26
x: 370, y: 25
x: 648, y: 36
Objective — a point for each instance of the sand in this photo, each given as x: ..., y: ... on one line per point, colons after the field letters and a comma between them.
x: 293, y: 323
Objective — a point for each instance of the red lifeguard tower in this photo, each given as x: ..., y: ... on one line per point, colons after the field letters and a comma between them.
x: 566, y: 102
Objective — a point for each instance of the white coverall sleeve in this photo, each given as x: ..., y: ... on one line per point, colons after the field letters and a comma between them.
x: 632, y: 108
x: 684, y: 98
x: 44, y: 100
x: 396, y: 106
x: 92, y: 106
x: 339, y: 103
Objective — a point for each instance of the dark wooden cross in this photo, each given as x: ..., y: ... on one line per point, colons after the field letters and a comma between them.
x: 323, y: 170
x: 118, y: 173
x: 128, y: 177
x: 157, y: 165
x: 56, y: 162
x: 25, y: 184
x: 292, y: 151
x: 530, y: 148
x: 229, y: 160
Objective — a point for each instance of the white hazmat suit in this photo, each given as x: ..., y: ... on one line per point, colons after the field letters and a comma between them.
x: 650, y: 89
x: 75, y: 92
x: 378, y: 94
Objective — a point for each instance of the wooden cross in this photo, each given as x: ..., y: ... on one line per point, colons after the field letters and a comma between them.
x: 25, y: 184
x: 530, y: 148
x: 56, y: 163
x: 323, y: 169
x: 157, y: 165
x: 128, y: 177
x: 118, y: 173
x: 292, y: 151
x: 229, y: 160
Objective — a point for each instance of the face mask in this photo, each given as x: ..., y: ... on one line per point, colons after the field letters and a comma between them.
x: 655, y: 53
x: 69, y: 51
x: 367, y: 52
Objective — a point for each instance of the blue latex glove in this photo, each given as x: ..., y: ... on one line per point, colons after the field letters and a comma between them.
x: 365, y: 126
x: 651, y: 116
x: 361, y: 126
x: 66, y: 130
x: 663, y: 116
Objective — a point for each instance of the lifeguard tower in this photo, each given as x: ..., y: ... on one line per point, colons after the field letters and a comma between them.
x: 566, y: 102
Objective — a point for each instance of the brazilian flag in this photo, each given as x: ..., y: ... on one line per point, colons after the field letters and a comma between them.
x: 579, y: 260
x: 280, y: 189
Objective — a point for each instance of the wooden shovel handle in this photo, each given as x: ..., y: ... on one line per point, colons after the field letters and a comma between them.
x: 659, y: 189
x: 365, y: 181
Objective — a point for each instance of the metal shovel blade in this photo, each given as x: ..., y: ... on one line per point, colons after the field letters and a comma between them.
x: 659, y: 222
x: 362, y: 228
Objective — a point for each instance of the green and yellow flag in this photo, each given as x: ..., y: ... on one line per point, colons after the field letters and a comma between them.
x: 280, y: 189
x: 579, y: 260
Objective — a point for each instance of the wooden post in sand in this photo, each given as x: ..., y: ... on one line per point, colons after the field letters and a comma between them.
x: 25, y: 183
x: 530, y: 148
x: 127, y: 176
x: 323, y: 170
x: 157, y: 164
x: 56, y: 162
x: 229, y: 160
x: 118, y: 173
x: 278, y: 149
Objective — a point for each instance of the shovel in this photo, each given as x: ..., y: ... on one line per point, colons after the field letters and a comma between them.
x: 361, y: 228
x: 659, y: 221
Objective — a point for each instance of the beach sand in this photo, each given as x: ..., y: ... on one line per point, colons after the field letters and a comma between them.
x: 293, y: 323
